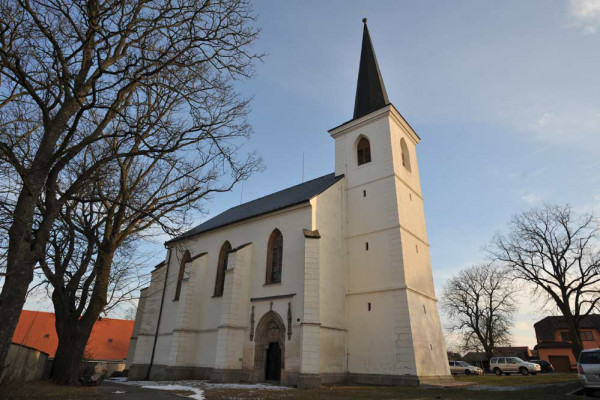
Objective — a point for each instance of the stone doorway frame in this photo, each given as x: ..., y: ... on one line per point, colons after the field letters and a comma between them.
x: 269, y: 329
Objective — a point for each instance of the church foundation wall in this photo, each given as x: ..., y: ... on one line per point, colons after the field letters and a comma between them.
x: 301, y: 381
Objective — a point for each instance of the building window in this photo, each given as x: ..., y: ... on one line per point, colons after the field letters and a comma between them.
x: 564, y: 335
x: 221, y: 268
x: 363, y: 151
x: 274, y: 257
x: 588, y: 336
x: 405, y: 155
x: 186, y: 258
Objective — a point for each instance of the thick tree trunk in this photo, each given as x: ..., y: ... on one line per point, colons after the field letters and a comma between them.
x: 69, y: 354
x: 74, y: 332
x: 22, y: 244
x: 19, y: 268
x: 576, y: 344
x: 12, y: 300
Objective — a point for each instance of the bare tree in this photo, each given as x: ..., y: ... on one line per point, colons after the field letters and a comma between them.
x: 70, y: 70
x: 558, y: 253
x: 479, y: 302
x: 136, y: 194
x: 69, y: 275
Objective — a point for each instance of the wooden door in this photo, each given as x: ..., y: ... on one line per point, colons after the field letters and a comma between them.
x: 273, y: 365
x: 560, y: 363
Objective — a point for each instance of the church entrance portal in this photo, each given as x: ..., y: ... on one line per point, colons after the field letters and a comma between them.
x: 269, y: 355
x: 273, y: 367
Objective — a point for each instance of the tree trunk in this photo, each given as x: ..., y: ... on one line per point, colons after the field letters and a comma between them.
x: 12, y: 300
x: 576, y: 345
x: 19, y: 268
x: 69, y: 354
x: 74, y: 332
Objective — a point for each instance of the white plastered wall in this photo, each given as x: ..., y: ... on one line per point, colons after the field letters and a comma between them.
x: 201, y: 321
x: 329, y: 219
x: 385, y: 210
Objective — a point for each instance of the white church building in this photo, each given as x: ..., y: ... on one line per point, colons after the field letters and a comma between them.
x: 326, y: 281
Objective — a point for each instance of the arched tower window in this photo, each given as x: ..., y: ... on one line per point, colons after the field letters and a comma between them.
x: 221, y: 268
x: 405, y: 154
x: 274, y: 257
x: 363, y: 151
x: 185, y: 259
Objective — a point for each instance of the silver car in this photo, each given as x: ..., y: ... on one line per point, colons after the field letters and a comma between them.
x: 462, y: 367
x: 588, y: 368
x: 513, y: 365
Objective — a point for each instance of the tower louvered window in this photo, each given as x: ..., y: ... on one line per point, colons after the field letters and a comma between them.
x: 363, y: 151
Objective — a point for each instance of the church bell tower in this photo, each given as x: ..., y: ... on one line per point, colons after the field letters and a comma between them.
x: 394, y: 330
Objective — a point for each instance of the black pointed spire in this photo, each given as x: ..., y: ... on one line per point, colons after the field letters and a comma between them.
x: 370, y: 90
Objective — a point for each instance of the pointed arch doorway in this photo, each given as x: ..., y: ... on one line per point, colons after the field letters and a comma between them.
x: 269, y: 353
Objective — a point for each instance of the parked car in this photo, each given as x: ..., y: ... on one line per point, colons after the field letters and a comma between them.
x: 546, y: 366
x: 463, y: 367
x: 588, y: 368
x: 509, y: 365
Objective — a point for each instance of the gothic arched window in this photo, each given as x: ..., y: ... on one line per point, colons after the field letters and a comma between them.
x: 186, y: 258
x: 274, y: 257
x: 221, y: 268
x: 405, y: 155
x: 363, y: 151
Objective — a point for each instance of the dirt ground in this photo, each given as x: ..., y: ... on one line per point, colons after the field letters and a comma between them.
x: 376, y: 393
x: 547, y: 387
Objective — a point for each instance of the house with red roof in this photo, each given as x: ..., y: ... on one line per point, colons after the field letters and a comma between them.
x: 108, y: 342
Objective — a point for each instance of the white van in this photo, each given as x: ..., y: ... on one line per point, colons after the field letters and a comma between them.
x: 588, y: 368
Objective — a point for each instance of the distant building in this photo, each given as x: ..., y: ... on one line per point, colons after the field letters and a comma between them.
x: 554, y: 343
x: 109, y: 340
x: 523, y: 352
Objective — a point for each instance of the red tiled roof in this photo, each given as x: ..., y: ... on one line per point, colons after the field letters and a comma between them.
x: 109, y: 339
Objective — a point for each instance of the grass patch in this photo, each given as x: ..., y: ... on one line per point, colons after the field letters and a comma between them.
x: 517, y: 379
x: 45, y: 390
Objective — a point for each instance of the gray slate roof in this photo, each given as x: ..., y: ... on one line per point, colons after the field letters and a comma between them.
x: 285, y: 198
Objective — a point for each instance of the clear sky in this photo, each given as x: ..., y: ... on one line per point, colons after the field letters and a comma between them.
x: 505, y: 96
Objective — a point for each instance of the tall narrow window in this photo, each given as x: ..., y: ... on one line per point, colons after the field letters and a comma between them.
x: 405, y: 155
x: 363, y: 151
x: 221, y: 268
x: 274, y: 257
x: 186, y: 258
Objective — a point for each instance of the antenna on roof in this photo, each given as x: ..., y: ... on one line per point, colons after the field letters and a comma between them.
x: 302, y: 167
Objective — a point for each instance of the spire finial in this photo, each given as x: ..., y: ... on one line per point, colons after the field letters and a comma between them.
x: 364, y: 20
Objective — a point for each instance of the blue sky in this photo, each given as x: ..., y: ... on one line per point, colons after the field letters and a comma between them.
x: 505, y: 96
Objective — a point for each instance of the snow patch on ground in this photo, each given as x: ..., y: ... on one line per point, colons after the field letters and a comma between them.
x: 201, y: 386
x: 198, y: 393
